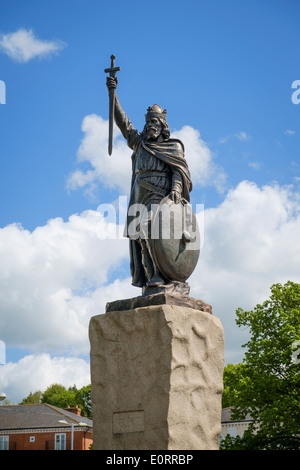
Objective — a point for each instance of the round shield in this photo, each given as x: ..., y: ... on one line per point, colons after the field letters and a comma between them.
x: 175, y: 239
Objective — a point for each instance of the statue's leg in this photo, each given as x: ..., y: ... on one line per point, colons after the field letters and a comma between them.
x: 152, y: 272
x: 146, y: 260
x: 157, y: 278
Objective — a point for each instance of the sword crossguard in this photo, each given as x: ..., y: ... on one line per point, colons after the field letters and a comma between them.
x: 112, y: 70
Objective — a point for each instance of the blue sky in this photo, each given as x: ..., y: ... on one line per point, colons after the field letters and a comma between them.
x: 224, y: 72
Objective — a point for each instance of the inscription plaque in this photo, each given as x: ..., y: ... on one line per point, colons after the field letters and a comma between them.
x: 128, y: 421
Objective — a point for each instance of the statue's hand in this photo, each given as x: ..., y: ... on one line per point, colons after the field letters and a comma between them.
x: 111, y: 83
x: 175, y: 196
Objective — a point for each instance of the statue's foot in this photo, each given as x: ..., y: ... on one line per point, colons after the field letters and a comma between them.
x: 156, y: 280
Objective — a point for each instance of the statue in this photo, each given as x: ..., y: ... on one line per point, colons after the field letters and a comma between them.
x: 160, y: 178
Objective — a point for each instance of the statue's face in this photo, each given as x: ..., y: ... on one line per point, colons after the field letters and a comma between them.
x: 153, y: 128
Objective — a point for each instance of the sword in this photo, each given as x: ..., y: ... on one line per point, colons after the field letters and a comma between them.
x: 112, y: 73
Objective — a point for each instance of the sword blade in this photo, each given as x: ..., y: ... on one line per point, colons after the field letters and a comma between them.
x: 111, y: 120
x: 112, y: 73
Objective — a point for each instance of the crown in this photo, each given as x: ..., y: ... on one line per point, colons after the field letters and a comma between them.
x: 156, y: 110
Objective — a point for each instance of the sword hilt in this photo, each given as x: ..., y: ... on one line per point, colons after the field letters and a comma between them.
x: 112, y: 70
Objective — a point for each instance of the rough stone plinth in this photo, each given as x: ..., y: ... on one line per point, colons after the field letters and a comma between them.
x: 157, y: 379
x: 159, y: 298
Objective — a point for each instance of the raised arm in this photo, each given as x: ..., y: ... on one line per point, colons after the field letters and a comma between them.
x: 122, y: 121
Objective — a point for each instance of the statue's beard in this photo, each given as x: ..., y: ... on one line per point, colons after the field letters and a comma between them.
x: 152, y: 133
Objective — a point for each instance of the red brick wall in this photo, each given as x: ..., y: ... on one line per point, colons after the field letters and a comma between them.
x: 45, y: 441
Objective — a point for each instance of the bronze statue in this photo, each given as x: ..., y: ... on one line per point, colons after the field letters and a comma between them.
x: 160, y: 175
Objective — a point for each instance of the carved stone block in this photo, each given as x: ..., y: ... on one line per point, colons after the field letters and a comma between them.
x: 157, y: 379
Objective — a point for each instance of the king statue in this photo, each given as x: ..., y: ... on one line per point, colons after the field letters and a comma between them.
x: 160, y: 174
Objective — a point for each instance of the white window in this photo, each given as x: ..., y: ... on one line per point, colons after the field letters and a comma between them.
x: 4, y: 442
x: 232, y: 431
x: 60, y: 442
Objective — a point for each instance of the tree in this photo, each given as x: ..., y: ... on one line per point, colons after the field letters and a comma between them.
x: 267, y: 383
x: 83, y: 399
x: 230, y: 381
x: 60, y: 396
x: 33, y: 398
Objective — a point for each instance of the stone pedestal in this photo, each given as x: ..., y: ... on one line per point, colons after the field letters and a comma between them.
x: 157, y: 379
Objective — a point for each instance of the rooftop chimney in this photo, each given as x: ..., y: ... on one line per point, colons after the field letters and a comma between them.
x: 74, y: 409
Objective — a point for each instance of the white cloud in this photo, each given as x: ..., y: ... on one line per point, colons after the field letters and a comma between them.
x: 242, y: 136
x: 52, y: 280
x: 55, y: 278
x: 111, y: 171
x: 252, y: 240
x: 47, y: 278
x: 115, y: 171
x: 204, y: 171
x: 289, y: 132
x: 23, y: 46
x: 37, y: 372
x: 255, y: 165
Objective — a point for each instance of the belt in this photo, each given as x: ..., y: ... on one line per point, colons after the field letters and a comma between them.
x: 152, y: 188
x: 147, y: 174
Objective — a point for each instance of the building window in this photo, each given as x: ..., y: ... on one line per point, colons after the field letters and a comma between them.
x: 232, y: 431
x: 4, y: 442
x: 60, y: 442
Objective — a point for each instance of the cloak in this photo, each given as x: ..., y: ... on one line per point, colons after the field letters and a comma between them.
x: 171, y: 152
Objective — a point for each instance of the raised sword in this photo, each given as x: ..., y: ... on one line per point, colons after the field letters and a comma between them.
x: 112, y: 73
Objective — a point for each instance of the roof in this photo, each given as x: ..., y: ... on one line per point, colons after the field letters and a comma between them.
x: 226, y: 416
x: 36, y: 417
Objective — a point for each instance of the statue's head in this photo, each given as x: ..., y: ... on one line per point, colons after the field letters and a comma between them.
x: 156, y: 124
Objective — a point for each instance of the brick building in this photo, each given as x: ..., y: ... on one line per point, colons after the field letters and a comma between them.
x: 44, y: 427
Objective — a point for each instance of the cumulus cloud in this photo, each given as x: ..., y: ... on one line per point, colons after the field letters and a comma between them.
x: 55, y: 278
x: 115, y: 171
x: 252, y: 240
x: 37, y: 372
x: 47, y: 278
x: 204, y: 170
x: 111, y: 171
x: 23, y: 45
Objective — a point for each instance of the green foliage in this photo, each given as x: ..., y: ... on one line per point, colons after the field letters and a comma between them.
x: 259, y: 440
x: 33, y: 398
x: 231, y: 378
x: 83, y: 400
x: 60, y: 396
x: 267, y: 384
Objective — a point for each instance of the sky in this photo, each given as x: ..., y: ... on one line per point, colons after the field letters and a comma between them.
x: 228, y: 75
